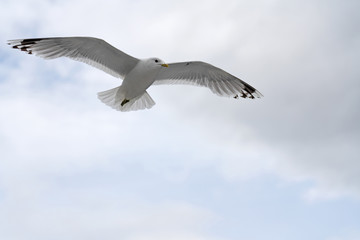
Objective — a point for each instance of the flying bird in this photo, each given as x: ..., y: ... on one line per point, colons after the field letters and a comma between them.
x: 137, y: 74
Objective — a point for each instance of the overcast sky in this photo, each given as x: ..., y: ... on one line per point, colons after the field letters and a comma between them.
x: 196, y: 166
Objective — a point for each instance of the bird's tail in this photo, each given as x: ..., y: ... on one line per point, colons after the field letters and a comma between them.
x: 115, y: 98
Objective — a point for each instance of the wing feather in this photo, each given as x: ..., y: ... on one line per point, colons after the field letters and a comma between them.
x: 206, y: 75
x: 93, y: 51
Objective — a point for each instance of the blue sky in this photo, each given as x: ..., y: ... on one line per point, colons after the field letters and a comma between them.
x: 195, y: 166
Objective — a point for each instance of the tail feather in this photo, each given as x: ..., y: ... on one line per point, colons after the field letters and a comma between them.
x: 114, y: 97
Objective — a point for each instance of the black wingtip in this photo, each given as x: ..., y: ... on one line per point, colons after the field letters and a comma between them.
x: 23, y: 45
x: 20, y: 42
x: 251, y: 92
x: 31, y: 40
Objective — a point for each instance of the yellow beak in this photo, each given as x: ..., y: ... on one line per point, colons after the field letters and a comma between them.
x: 164, y: 65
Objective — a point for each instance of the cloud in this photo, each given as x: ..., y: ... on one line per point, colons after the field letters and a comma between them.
x: 302, y: 56
x: 94, y: 216
x: 302, y: 60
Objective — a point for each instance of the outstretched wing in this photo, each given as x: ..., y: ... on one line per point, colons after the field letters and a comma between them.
x: 207, y: 75
x: 93, y: 51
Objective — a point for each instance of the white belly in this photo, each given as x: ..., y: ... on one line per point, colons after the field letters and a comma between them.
x: 139, y: 79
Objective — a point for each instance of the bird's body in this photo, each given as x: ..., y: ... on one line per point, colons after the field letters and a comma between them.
x: 137, y: 74
x: 140, y: 78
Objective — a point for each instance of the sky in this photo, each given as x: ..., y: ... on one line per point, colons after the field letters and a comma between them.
x: 195, y: 166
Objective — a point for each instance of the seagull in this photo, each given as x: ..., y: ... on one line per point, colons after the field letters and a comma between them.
x: 137, y: 74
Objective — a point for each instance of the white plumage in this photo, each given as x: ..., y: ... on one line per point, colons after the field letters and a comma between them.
x: 137, y: 74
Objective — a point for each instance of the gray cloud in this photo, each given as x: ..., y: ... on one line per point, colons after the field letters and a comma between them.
x: 302, y: 55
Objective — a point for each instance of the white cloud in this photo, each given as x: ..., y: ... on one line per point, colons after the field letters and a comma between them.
x: 94, y: 216
x: 289, y: 44
x: 301, y: 55
x: 294, y: 45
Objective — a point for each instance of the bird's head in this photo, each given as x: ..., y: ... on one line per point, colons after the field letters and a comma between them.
x: 158, y: 61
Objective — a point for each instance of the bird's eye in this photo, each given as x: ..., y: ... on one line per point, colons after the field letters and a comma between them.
x: 156, y: 60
